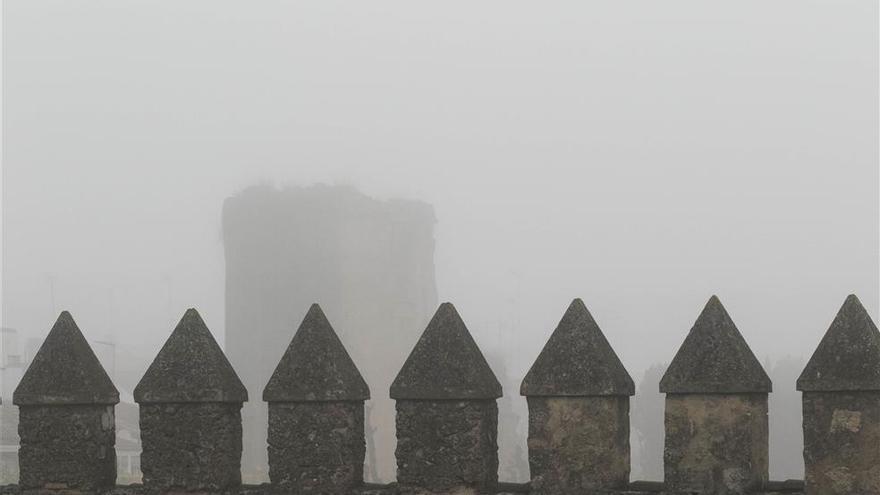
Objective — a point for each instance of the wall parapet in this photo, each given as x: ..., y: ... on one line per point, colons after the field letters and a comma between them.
x: 790, y: 487
x: 578, y: 393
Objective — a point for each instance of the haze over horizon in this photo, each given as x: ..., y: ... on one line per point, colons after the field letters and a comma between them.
x: 640, y: 157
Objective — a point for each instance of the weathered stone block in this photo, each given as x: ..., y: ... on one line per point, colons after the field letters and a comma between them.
x: 316, y: 413
x: 66, y: 421
x: 190, y: 414
x: 447, y: 445
x: 578, y: 443
x: 842, y: 442
x: 191, y: 446
x: 717, y: 438
x: 67, y: 447
x: 316, y: 447
x: 578, y: 393
x: 716, y: 443
x: 447, y: 418
x: 715, y: 359
x: 446, y: 364
x: 841, y: 401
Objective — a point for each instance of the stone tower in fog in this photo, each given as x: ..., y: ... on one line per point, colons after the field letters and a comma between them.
x: 368, y: 263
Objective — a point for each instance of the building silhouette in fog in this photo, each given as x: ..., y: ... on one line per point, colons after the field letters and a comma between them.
x: 369, y: 263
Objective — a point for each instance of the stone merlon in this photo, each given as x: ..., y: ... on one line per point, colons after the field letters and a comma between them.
x: 577, y: 361
x: 715, y: 359
x: 446, y: 364
x: 190, y: 367
x: 316, y: 367
x: 848, y: 357
x: 65, y: 371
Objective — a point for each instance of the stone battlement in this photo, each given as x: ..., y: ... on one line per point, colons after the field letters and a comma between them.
x: 792, y: 487
x: 578, y: 393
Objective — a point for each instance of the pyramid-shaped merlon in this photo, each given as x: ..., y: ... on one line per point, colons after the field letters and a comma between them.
x: 190, y: 367
x: 715, y: 359
x: 316, y: 366
x: 848, y: 357
x: 446, y: 364
x: 65, y: 371
x: 577, y: 361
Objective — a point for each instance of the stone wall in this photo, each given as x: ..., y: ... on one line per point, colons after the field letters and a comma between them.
x: 447, y: 415
x: 177, y: 452
x: 447, y: 445
x: 716, y: 441
x: 592, y: 431
x: 74, y: 444
x: 316, y: 446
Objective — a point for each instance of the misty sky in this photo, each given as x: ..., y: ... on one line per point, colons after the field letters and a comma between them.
x: 639, y: 155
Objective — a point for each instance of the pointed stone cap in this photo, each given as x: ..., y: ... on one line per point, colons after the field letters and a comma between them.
x: 577, y: 361
x: 848, y: 358
x: 715, y: 359
x: 190, y: 368
x: 65, y: 371
x: 446, y: 364
x: 316, y: 367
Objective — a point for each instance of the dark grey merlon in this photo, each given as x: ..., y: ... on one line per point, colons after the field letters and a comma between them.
x: 715, y: 359
x: 66, y: 415
x: 447, y: 416
x: 190, y: 414
x: 316, y: 413
x: 446, y: 364
x: 716, y: 414
x: 578, y: 396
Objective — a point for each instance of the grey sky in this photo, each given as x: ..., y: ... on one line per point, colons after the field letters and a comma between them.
x: 640, y: 155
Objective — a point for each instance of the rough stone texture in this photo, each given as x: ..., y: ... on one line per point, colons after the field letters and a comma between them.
x: 714, y: 358
x: 190, y: 367
x: 790, y: 487
x: 447, y: 418
x: 316, y: 447
x: 191, y: 447
x: 69, y: 447
x: 848, y: 358
x: 66, y: 421
x: 717, y: 438
x: 446, y: 364
x: 841, y: 401
x: 577, y: 361
x: 65, y: 371
x: 316, y: 413
x: 316, y: 366
x: 716, y: 443
x: 190, y: 414
x: 447, y: 446
x: 842, y: 442
x: 578, y: 394
x: 578, y: 443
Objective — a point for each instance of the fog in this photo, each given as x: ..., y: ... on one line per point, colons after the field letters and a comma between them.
x: 639, y: 155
